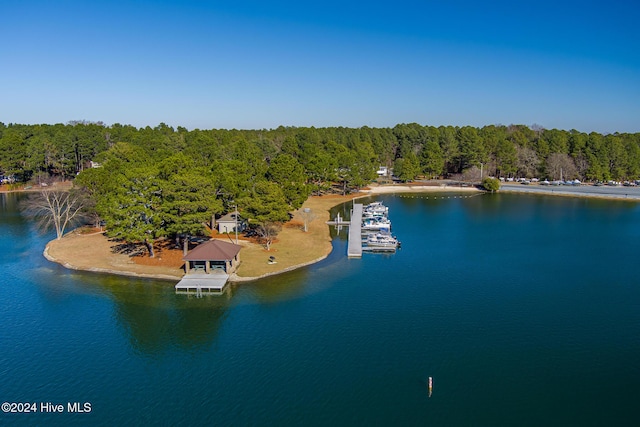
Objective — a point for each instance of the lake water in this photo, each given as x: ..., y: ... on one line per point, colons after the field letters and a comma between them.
x: 525, y: 310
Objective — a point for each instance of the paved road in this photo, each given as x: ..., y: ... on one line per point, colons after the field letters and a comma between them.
x: 582, y: 190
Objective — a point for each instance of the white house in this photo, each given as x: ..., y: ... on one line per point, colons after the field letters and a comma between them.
x: 227, y: 223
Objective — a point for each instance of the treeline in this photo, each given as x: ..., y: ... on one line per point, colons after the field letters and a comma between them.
x: 329, y: 154
x: 163, y: 181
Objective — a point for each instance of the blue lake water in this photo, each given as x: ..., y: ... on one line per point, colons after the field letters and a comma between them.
x: 525, y: 310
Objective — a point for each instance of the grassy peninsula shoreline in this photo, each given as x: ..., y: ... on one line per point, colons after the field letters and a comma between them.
x: 294, y: 248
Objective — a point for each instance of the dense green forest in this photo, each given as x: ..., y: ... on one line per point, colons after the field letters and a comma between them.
x: 346, y: 155
x: 161, y: 181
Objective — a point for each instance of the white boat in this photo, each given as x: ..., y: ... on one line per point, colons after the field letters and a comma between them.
x: 375, y: 204
x: 375, y: 209
x: 376, y: 224
x: 375, y: 215
x: 381, y: 240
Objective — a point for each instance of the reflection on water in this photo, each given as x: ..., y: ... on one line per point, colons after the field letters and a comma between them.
x: 155, y: 326
x: 276, y: 288
x: 515, y: 305
x: 154, y: 318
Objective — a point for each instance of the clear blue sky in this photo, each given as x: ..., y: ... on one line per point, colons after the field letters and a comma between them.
x: 261, y: 64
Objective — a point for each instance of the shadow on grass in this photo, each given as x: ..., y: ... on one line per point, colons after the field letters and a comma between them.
x: 130, y: 249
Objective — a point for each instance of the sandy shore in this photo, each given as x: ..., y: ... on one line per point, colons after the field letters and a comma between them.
x: 413, y: 188
x: 590, y: 191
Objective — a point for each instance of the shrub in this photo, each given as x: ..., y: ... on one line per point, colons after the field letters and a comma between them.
x: 491, y: 184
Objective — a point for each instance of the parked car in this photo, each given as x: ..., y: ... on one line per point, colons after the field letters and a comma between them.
x: 7, y: 179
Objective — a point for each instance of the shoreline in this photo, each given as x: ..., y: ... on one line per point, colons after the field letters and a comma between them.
x: 582, y: 191
x: 122, y: 265
x: 93, y: 252
x: 100, y: 270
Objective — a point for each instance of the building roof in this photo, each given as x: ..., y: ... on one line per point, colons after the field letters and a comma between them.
x: 213, y: 250
x: 230, y: 217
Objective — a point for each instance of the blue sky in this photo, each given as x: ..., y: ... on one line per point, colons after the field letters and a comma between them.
x: 253, y: 65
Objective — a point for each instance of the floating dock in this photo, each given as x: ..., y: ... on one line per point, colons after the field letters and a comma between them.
x: 354, y: 247
x: 339, y: 221
x: 378, y: 249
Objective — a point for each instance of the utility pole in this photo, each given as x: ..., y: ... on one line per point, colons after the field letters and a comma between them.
x: 236, y: 219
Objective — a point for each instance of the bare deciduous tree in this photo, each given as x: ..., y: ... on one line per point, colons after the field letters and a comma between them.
x: 561, y: 166
x: 268, y: 232
x: 527, y: 161
x: 582, y: 165
x: 307, y: 216
x: 471, y: 174
x: 54, y: 209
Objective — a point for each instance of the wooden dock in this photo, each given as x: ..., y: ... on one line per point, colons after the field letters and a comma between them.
x: 339, y: 221
x: 354, y: 247
x: 202, y: 283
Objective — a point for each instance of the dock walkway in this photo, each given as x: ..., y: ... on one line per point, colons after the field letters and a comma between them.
x: 354, y: 247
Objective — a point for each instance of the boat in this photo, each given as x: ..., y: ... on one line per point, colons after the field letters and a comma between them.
x: 373, y: 214
x: 375, y: 209
x: 376, y: 224
x: 381, y: 240
x: 377, y: 204
x: 376, y: 229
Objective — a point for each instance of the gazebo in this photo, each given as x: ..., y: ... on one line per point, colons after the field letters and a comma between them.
x: 208, y: 267
x: 213, y: 256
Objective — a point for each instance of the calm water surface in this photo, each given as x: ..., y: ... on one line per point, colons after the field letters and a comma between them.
x: 524, y: 309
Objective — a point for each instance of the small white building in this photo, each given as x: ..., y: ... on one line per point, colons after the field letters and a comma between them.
x: 228, y: 222
x: 383, y: 171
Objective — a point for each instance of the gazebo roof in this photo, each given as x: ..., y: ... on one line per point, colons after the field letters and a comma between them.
x: 213, y: 250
